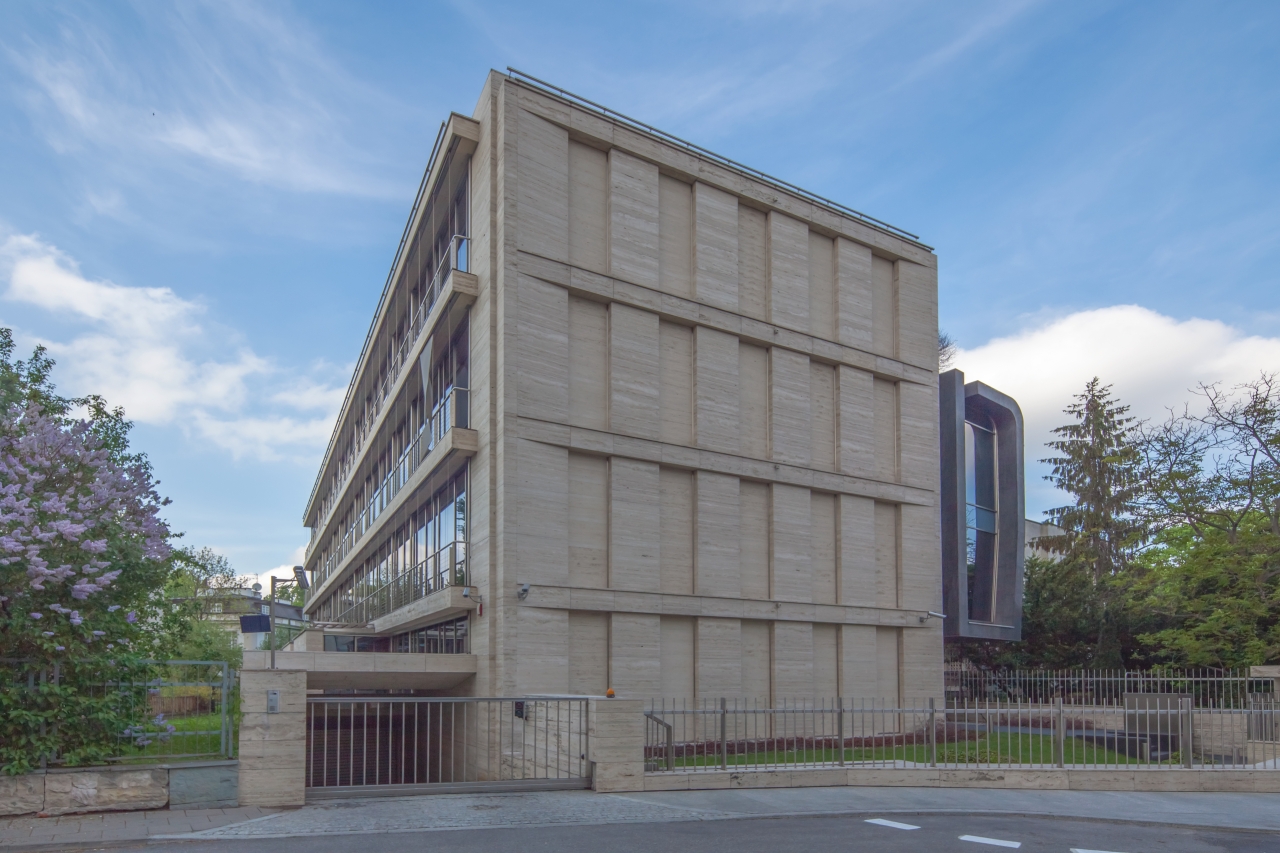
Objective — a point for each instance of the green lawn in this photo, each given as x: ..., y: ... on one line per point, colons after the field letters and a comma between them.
x: 999, y: 748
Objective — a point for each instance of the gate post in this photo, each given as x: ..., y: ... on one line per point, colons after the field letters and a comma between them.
x: 273, y: 737
x: 615, y: 744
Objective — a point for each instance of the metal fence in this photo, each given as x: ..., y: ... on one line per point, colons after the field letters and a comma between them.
x: 175, y: 710
x: 1143, y: 731
x: 367, y: 745
x: 1208, y: 688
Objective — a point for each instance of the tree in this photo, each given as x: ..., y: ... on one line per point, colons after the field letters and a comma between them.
x: 947, y: 350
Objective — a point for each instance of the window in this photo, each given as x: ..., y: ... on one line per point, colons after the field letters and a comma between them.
x: 981, y: 515
x: 442, y: 638
x: 215, y: 607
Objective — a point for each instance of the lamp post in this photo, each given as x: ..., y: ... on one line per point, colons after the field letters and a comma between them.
x: 300, y: 580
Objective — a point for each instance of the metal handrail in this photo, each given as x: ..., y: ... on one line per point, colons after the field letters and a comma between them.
x: 445, y: 568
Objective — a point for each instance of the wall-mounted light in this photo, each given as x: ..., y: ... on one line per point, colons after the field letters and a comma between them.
x: 523, y: 592
x: 925, y: 618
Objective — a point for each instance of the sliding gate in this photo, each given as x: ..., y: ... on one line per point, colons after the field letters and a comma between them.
x: 383, y: 746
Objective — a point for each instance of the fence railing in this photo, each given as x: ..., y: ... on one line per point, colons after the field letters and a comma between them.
x: 447, y: 567
x: 1229, y: 688
x: 171, y: 710
x: 364, y: 743
x: 1145, y: 731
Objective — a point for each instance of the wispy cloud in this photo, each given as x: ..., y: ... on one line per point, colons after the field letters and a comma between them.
x: 240, y: 89
x: 153, y: 352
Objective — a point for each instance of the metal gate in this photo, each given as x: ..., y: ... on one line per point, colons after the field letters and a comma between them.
x: 383, y: 746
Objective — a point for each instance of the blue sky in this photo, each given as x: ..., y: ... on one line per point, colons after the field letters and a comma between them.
x: 199, y: 202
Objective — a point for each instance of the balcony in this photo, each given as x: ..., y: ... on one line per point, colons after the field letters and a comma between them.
x: 430, y: 446
x: 436, y: 299
x: 446, y: 568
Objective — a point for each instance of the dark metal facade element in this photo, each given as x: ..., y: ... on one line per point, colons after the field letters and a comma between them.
x: 980, y: 430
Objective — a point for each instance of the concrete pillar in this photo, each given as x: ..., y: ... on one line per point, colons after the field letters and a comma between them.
x: 617, y: 744
x: 273, y: 744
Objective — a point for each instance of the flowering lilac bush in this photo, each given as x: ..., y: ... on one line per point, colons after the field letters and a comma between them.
x: 84, y: 557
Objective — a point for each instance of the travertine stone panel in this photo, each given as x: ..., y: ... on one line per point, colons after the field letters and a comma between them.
x: 542, y: 654
x: 588, y: 207
x: 715, y: 390
x: 675, y: 236
x: 635, y: 655
x: 719, y: 657
x: 716, y: 561
x: 633, y: 219
x: 822, y: 508
x: 858, y: 679
x: 922, y: 664
x: 757, y: 662
x: 822, y: 415
x: 790, y: 431
x: 676, y: 517
x: 888, y: 663
x: 715, y: 247
x: 826, y: 659
x: 753, y: 395
x: 677, y: 658
x: 858, y: 551
x: 755, y: 539
x: 921, y: 587
x: 273, y: 747
x: 542, y: 513
x: 857, y: 422
x: 542, y: 196
x: 635, y: 528
x: 884, y: 307
x: 822, y: 298
x: 635, y: 372
x: 918, y: 409
x: 792, y: 543
x: 918, y: 315
x: 588, y: 521
x: 543, y: 370
x: 793, y: 661
x: 588, y: 653
x: 676, y: 386
x: 753, y: 267
x: 888, y: 564
x: 886, y: 429
x: 788, y: 272
x: 588, y: 364
x: 853, y: 294
x: 100, y: 791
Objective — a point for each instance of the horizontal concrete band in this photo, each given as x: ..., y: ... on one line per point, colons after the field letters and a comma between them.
x: 1257, y: 781
x: 670, y: 604
x: 586, y: 440
x: 668, y: 305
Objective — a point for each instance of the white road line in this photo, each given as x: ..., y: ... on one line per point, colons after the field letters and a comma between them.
x: 1086, y: 850
x: 892, y: 824
x: 993, y: 841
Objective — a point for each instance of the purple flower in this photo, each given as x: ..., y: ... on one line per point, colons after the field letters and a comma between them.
x: 113, y: 608
x: 37, y: 615
x: 61, y: 648
x: 47, y: 633
x: 132, y: 617
x: 99, y: 633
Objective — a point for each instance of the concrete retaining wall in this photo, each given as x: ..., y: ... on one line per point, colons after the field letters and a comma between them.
x: 194, y: 785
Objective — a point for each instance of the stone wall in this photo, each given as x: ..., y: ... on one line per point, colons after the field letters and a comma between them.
x: 198, y: 785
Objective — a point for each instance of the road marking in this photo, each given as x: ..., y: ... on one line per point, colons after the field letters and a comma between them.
x: 993, y: 841
x: 1086, y: 850
x: 892, y: 824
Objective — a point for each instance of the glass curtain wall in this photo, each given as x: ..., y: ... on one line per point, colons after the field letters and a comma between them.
x: 981, y: 514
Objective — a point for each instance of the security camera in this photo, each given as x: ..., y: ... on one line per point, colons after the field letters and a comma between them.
x: 523, y: 593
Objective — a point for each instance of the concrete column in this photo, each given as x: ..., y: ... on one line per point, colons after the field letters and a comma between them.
x: 273, y: 758
x: 616, y: 744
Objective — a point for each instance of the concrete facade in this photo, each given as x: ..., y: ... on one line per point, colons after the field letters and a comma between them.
x: 701, y: 452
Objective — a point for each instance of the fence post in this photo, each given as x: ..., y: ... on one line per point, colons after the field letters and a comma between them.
x: 724, y: 742
x: 840, y: 727
x: 671, y: 747
x: 933, y: 733
x: 1185, y: 735
x: 1059, y: 734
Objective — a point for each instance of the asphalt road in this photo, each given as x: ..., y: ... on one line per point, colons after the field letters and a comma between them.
x: 937, y: 833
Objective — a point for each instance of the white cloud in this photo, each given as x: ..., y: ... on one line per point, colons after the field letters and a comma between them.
x: 148, y: 350
x: 285, y: 570
x: 1152, y: 361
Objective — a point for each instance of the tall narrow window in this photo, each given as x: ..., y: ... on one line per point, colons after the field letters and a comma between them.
x: 981, y: 515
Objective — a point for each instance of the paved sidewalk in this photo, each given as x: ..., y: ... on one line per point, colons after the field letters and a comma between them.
x: 113, y: 828
x: 583, y: 808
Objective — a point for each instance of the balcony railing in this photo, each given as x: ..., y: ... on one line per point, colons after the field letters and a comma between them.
x: 457, y: 258
x: 454, y: 410
x: 445, y: 568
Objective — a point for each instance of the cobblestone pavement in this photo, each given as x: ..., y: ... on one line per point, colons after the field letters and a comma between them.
x: 114, y: 827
